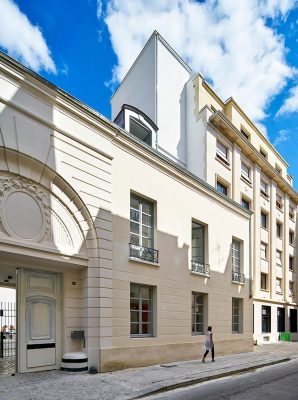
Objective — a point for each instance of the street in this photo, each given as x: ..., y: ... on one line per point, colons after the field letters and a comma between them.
x: 274, y: 383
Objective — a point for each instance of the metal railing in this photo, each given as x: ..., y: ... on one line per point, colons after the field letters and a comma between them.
x: 238, y: 277
x: 200, y: 268
x: 143, y: 253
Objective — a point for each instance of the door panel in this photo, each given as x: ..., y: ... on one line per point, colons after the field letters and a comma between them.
x: 39, y: 320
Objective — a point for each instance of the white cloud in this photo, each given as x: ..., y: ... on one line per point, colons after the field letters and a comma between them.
x: 282, y: 136
x: 228, y: 41
x: 23, y: 40
x: 291, y: 103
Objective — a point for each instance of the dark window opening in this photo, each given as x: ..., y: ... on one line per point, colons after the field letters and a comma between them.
x: 138, y: 129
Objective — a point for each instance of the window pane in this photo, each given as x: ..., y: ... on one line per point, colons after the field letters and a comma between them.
x: 134, y: 227
x: 134, y: 202
x: 146, y: 329
x: 134, y: 215
x: 147, y: 219
x: 147, y: 208
x: 145, y: 292
x: 221, y: 150
x: 134, y: 316
x: 134, y: 329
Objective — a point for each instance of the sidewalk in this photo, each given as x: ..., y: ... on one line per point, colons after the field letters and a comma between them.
x: 137, y: 383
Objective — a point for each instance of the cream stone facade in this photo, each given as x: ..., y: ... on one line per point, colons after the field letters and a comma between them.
x: 223, y: 147
x: 80, y: 201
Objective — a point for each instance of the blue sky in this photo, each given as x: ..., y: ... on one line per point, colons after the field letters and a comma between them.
x: 246, y: 49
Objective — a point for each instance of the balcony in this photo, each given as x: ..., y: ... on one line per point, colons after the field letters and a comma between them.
x: 200, y: 268
x: 238, y: 277
x: 143, y: 253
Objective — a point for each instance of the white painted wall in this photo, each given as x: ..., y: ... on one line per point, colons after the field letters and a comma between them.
x: 138, y: 87
x: 171, y: 79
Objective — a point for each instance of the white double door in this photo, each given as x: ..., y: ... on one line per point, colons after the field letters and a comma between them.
x: 39, y: 320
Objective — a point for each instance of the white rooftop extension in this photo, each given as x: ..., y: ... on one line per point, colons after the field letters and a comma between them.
x: 154, y: 87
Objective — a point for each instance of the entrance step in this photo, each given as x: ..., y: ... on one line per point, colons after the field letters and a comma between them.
x: 74, y: 362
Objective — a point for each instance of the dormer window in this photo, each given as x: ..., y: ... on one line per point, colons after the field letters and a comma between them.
x: 244, y: 133
x: 138, y: 129
x: 263, y: 153
x: 137, y: 123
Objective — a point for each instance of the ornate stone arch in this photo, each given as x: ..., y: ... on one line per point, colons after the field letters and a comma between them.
x: 38, y: 207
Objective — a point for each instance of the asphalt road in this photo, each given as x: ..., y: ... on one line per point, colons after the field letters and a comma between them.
x: 279, y: 382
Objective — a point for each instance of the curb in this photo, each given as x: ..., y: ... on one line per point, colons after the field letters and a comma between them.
x: 159, y: 388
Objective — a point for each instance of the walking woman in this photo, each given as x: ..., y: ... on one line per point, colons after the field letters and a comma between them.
x: 209, y: 345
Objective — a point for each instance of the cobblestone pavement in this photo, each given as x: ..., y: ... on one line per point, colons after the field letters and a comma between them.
x: 128, y: 384
x: 7, y: 366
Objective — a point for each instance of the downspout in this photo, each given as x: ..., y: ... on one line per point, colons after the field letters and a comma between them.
x: 250, y: 258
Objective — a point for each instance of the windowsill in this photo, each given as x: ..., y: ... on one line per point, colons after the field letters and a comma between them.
x: 280, y: 209
x: 238, y: 283
x: 197, y: 334
x: 278, y: 237
x: 264, y: 290
x: 237, y: 333
x: 292, y: 245
x: 142, y: 337
x: 265, y: 229
x: 291, y: 270
x: 139, y: 260
x: 223, y: 161
x: 292, y: 219
x: 246, y: 180
x: 200, y: 274
x: 279, y: 293
x: 264, y: 259
x: 278, y: 265
x: 264, y: 196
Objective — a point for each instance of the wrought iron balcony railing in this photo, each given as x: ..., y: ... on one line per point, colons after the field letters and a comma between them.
x: 238, y: 277
x: 200, y: 268
x: 143, y: 253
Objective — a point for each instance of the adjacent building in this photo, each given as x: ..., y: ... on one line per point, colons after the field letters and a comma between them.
x: 162, y: 102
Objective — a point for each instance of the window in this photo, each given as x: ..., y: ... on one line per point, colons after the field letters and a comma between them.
x: 278, y: 230
x: 277, y: 169
x: 291, y: 212
x: 263, y: 281
x: 198, y: 243
x: 281, y: 326
x: 266, y: 319
x: 291, y: 289
x: 264, y: 188
x: 293, y: 320
x: 278, y: 258
x: 236, y: 255
x: 291, y: 263
x: 278, y: 285
x: 245, y: 203
x: 236, y: 315
x: 263, y: 153
x: 291, y: 237
x: 141, y: 222
x: 221, y: 188
x: 264, y: 220
x: 141, y: 310
x: 279, y: 202
x: 198, y: 313
x: 138, y: 129
x: 222, y: 151
x: 244, y: 133
x: 264, y: 247
x: 245, y: 171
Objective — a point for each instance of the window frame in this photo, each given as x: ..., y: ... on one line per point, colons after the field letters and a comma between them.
x: 264, y: 250
x: 237, y: 315
x: 141, y: 312
x: 265, y: 276
x: 264, y: 188
x: 291, y: 237
x: 266, y: 220
x: 235, y: 267
x: 266, y: 319
x: 292, y: 289
x: 245, y: 172
x: 222, y: 155
x: 245, y: 202
x: 223, y: 185
x: 140, y: 222
x: 279, y: 202
x: 198, y: 225
x: 194, y: 313
x: 291, y: 263
x: 278, y: 229
x: 278, y: 258
x: 278, y: 285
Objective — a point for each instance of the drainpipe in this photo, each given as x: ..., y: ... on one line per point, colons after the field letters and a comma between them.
x: 250, y: 257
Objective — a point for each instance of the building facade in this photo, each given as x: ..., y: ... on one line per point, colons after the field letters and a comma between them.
x: 216, y: 141
x: 112, y: 246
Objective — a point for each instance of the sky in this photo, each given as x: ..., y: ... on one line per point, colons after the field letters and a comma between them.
x: 245, y: 49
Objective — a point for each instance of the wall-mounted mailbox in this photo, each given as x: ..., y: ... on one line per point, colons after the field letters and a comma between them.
x: 77, y: 335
